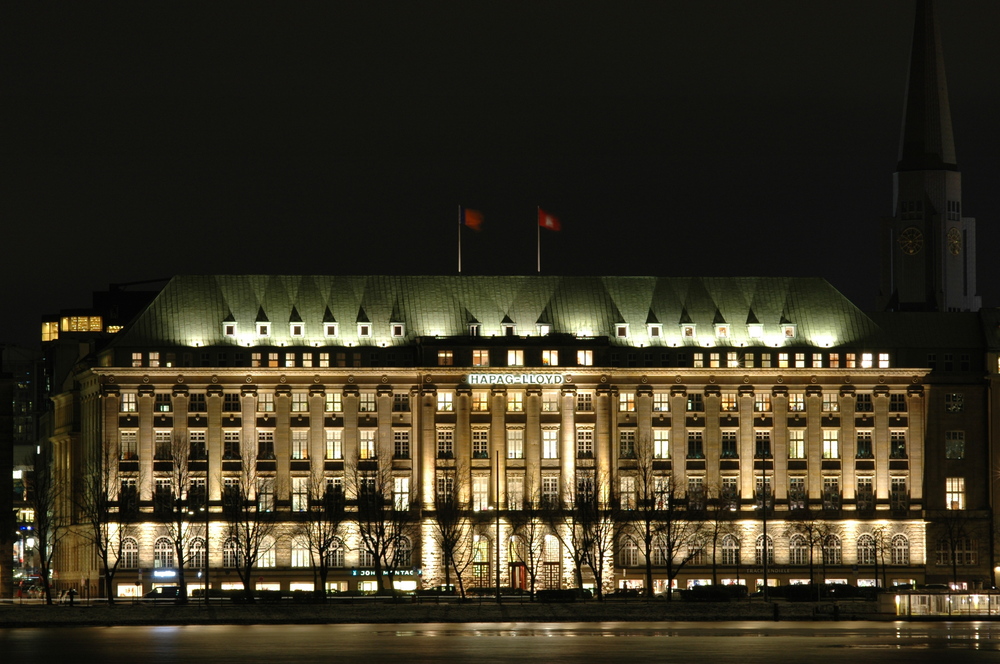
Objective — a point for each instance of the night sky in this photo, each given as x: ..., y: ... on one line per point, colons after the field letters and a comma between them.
x: 672, y: 138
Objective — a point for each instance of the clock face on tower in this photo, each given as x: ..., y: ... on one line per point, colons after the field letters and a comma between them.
x: 955, y: 241
x: 911, y: 240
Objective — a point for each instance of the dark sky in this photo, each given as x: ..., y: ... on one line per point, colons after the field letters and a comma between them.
x: 717, y: 137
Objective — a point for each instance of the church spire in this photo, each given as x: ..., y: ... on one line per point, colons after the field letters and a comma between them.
x: 926, y: 141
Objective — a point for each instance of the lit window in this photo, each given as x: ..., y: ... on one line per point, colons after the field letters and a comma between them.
x: 515, y: 402
x: 866, y: 360
x: 688, y: 331
x: 788, y: 331
x: 300, y: 444
x: 732, y: 360
x: 128, y: 444
x: 714, y: 360
x: 515, y: 358
x: 550, y: 443
x: 366, y: 444
x: 333, y: 402
x: 755, y: 330
x: 883, y: 360
x: 367, y: 403
x: 265, y: 402
x: 661, y: 443
x: 300, y: 403
x: 834, y: 360
x: 850, y: 361
x: 627, y: 492
x: 831, y: 444
x: 445, y: 402
x: 129, y: 402
x: 796, y: 444
x: 550, y: 402
x: 831, y: 402
x: 722, y: 331
x: 797, y: 403
x: 481, y: 402
x: 783, y: 360
x: 446, y: 358
x: 515, y: 443
x: 762, y: 402
x: 626, y: 402
x: 955, y: 493
x: 334, y: 444
x: 550, y: 358
x: 800, y: 360
x: 480, y: 358
x: 698, y: 360
x: 817, y: 360
x: 585, y: 358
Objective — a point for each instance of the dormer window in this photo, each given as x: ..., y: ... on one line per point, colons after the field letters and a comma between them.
x: 229, y: 329
x: 296, y: 329
x: 788, y: 331
x: 364, y: 329
x: 621, y: 330
x: 509, y: 330
x: 688, y: 331
x: 330, y: 329
x: 722, y: 331
x: 755, y: 330
x: 654, y: 330
x: 473, y: 329
x: 543, y: 329
x: 263, y: 329
x: 398, y: 329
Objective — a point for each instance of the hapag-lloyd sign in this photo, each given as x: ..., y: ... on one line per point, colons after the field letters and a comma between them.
x: 515, y: 379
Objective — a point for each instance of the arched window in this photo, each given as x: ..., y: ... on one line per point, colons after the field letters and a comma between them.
x: 196, y: 554
x: 335, y: 554
x: 759, y: 551
x: 230, y: 553
x: 266, y: 554
x: 629, y: 555
x: 659, y: 552
x: 301, y: 552
x: 798, y: 550
x: 365, y: 558
x: 832, y: 552
x: 404, y: 554
x: 900, y: 550
x: 163, y: 553
x: 730, y: 550
x: 866, y: 550
x: 130, y: 554
x: 697, y: 555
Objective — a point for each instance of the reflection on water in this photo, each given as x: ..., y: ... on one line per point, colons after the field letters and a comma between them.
x: 743, y: 642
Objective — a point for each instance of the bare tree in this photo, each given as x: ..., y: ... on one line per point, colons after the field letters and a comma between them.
x: 108, y: 505
x: 956, y: 531
x: 528, y: 531
x: 718, y: 524
x: 44, y: 496
x: 813, y: 534
x: 322, y: 528
x: 175, y: 504
x: 387, y: 524
x: 655, y: 518
x: 453, y: 530
x: 572, y: 524
x: 250, y: 522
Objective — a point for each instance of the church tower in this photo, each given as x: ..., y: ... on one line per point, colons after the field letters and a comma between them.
x: 928, y: 247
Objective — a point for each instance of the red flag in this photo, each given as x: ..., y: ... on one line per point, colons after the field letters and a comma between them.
x: 546, y: 220
x: 471, y: 218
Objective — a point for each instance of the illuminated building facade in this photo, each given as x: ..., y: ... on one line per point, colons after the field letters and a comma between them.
x: 713, y: 395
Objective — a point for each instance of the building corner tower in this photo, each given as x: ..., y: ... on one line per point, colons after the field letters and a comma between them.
x: 928, y: 247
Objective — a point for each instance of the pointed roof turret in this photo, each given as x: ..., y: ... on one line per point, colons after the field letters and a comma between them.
x: 926, y: 142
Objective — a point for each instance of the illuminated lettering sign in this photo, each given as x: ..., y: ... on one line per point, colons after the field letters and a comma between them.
x: 402, y: 572
x: 515, y: 379
x: 164, y: 573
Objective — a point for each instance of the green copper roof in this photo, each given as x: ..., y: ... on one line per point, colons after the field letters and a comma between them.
x: 191, y: 309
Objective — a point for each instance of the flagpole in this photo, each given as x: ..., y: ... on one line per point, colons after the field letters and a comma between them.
x: 460, y: 239
x: 538, y: 231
